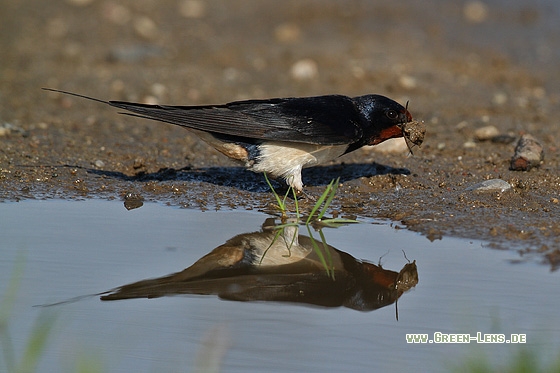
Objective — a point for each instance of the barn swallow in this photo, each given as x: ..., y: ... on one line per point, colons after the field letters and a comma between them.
x: 281, y: 136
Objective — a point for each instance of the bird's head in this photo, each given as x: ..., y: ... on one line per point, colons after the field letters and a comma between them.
x: 388, y: 119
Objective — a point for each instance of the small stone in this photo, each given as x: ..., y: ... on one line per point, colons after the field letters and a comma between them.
x: 499, y: 98
x: 486, y: 133
x: 358, y: 72
x: 492, y: 185
x: 145, y: 27
x: 192, y: 8
x: 231, y: 74
x: 407, y: 82
x: 287, y: 33
x: 529, y: 153
x: 134, y: 53
x: 469, y: 144
x: 158, y: 89
x: 133, y: 201
x: 475, y: 11
x: 304, y: 69
x: 117, y: 13
x: 4, y: 131
x: 99, y: 163
x: 138, y: 163
x: 8, y: 128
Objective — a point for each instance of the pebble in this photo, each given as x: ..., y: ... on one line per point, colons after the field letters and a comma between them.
x: 138, y: 163
x: 304, y: 69
x: 8, y: 128
x: 99, y: 163
x: 486, y: 133
x: 134, y: 53
x: 499, y: 98
x: 192, y: 8
x: 159, y: 90
x: 133, y: 201
x: 145, y: 27
x: 287, y: 33
x: 117, y: 13
x: 475, y: 11
x: 407, y: 82
x: 491, y: 185
x: 529, y: 153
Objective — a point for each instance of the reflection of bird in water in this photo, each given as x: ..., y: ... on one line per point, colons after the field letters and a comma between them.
x: 280, y: 265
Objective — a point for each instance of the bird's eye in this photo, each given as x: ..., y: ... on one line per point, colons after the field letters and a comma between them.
x: 392, y: 114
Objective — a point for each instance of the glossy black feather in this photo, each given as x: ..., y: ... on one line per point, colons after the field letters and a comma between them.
x: 322, y: 120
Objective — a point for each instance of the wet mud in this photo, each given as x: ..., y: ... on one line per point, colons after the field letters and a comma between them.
x: 460, y: 72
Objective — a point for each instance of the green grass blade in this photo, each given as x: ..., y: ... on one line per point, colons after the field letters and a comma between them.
x: 330, y: 191
x: 329, y: 260
x: 296, y: 203
x: 318, y: 203
x: 281, y: 204
x: 6, y: 308
x: 319, y: 253
x: 36, y: 343
x: 278, y: 233
x: 325, y: 201
x: 294, y: 237
x: 334, y: 222
x: 286, y: 225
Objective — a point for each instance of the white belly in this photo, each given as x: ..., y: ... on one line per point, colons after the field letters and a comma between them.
x: 287, y: 159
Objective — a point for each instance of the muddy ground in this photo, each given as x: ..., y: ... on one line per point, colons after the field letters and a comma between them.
x: 462, y: 66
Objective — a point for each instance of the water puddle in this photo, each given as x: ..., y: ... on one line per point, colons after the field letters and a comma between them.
x: 228, y: 288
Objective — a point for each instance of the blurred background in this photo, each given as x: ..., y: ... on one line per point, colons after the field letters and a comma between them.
x: 444, y: 56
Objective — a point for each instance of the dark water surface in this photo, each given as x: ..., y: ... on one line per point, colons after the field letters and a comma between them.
x: 77, y: 248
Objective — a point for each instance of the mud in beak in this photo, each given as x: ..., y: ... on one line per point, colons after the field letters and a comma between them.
x: 414, y: 131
